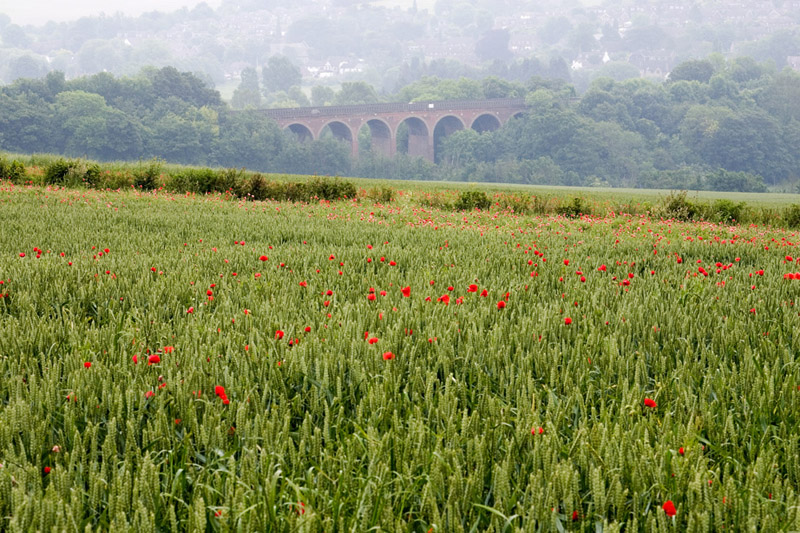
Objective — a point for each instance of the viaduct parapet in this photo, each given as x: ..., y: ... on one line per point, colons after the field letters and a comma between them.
x: 425, y: 122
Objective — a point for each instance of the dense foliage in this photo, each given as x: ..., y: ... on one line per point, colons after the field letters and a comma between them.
x: 202, y: 363
x: 736, y: 130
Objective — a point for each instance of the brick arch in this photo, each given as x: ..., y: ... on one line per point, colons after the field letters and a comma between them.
x: 301, y: 131
x: 342, y: 132
x: 486, y: 122
x: 420, y: 136
x: 445, y: 126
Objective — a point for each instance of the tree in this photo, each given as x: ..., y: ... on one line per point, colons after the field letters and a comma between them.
x: 248, y: 94
x: 494, y: 45
x: 321, y: 95
x: 249, y: 140
x: 356, y: 93
x: 280, y: 74
x: 693, y: 70
x: 169, y: 82
x: 26, y: 66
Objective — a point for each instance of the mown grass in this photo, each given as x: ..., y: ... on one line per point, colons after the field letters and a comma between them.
x: 488, y: 417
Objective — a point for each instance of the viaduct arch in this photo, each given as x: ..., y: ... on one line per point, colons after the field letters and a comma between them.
x: 426, y: 123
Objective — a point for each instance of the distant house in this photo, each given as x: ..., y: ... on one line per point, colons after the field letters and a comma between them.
x: 656, y: 65
x: 793, y: 62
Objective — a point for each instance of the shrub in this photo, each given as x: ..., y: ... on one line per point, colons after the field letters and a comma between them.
x: 791, y: 216
x: 256, y: 187
x: 469, y: 200
x: 12, y: 170
x: 58, y: 171
x: 328, y: 189
x: 383, y: 195
x: 677, y: 207
x: 728, y: 211
x: 573, y: 209
x: 145, y: 175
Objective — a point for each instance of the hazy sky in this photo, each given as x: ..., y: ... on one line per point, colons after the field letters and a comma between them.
x: 38, y: 12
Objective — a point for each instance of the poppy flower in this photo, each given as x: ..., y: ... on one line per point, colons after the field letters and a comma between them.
x: 501, y: 304
x: 308, y: 329
x: 135, y: 359
x: 47, y: 470
x: 680, y: 450
x: 388, y: 356
x: 373, y: 340
x: 149, y: 394
x: 87, y: 364
x: 445, y: 299
x: 649, y: 402
x: 484, y: 293
x: 190, y: 310
x: 303, y: 284
x: 472, y: 288
x: 278, y: 334
x: 371, y: 297
x: 535, y: 430
x: 669, y: 508
x: 153, y: 359
x: 392, y: 263
x: 263, y: 258
x: 406, y: 291
x: 567, y: 321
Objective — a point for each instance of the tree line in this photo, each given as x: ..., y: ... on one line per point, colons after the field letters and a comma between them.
x: 714, y: 124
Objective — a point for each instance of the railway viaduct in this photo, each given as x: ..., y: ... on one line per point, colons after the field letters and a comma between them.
x: 425, y: 122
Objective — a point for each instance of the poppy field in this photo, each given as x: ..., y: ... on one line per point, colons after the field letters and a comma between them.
x: 183, y: 362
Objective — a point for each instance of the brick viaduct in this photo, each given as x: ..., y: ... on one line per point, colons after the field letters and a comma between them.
x: 426, y: 122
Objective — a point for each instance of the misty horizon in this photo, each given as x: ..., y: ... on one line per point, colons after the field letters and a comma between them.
x: 40, y: 12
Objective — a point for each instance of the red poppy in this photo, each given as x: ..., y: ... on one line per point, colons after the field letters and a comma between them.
x: 303, y: 284
x: 371, y: 297
x: 406, y: 291
x: 392, y: 263
x: 47, y: 470
x: 278, y: 334
x: 680, y: 450
x: 566, y: 262
x: 484, y: 293
x: 190, y: 310
x: 669, y: 508
x: 649, y: 402
x: 501, y: 304
x: 568, y: 321
x: 87, y: 364
x: 149, y: 394
x: 373, y: 340
x: 308, y: 329
x: 472, y: 288
x: 153, y: 359
x: 264, y: 258
x: 387, y: 356
x: 445, y: 298
x: 135, y: 359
